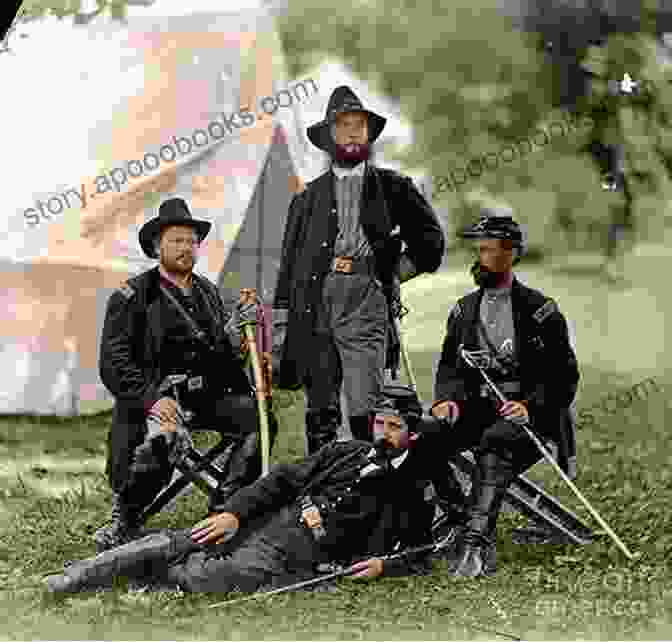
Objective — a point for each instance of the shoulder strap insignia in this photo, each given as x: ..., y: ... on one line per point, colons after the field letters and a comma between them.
x: 545, y: 311
x: 127, y: 291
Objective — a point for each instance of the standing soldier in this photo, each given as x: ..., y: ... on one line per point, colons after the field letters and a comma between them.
x: 170, y: 321
x: 530, y: 359
x: 342, y: 263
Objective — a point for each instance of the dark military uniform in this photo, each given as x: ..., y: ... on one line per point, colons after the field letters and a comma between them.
x: 367, y: 506
x: 144, y: 340
x: 339, y: 325
x: 530, y: 358
x: 545, y: 375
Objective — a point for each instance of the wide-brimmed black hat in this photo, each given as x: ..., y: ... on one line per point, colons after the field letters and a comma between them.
x: 343, y: 100
x: 174, y: 211
x: 493, y: 225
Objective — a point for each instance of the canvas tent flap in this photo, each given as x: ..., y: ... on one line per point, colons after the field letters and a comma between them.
x: 162, y: 78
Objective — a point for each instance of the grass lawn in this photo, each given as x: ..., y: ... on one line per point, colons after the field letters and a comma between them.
x: 53, y: 496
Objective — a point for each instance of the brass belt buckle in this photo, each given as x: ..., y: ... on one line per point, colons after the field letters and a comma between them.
x: 343, y: 264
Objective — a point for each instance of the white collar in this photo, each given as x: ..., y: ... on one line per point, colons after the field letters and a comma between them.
x: 396, y: 462
x: 357, y: 170
x: 498, y: 293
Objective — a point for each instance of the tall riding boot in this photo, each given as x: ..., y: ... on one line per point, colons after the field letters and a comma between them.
x: 477, y: 556
x: 361, y: 427
x: 449, y: 494
x: 322, y: 428
x: 146, y: 558
x: 245, y: 466
x: 149, y: 471
x: 124, y: 527
x: 455, y: 515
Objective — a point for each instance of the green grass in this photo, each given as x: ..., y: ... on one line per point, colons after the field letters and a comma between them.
x: 53, y: 496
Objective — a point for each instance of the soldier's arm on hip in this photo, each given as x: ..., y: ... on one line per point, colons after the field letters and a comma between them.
x: 419, y: 226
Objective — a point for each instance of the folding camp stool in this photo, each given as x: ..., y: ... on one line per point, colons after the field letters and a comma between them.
x: 193, y: 466
x: 551, y: 520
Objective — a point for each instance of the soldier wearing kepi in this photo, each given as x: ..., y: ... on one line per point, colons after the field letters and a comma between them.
x: 350, y: 500
x: 528, y: 355
x: 164, y: 322
x: 341, y: 266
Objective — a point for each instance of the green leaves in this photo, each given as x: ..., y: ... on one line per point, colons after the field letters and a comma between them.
x: 469, y: 82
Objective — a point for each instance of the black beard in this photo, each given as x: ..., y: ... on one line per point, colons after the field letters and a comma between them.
x: 347, y: 158
x: 386, y: 452
x: 485, y: 278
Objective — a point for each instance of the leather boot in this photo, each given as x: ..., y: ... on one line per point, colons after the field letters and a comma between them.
x: 454, y: 507
x: 149, y: 472
x: 478, y: 554
x: 245, y: 466
x: 361, y: 427
x: 124, y: 527
x: 321, y: 428
x: 148, y: 557
x: 449, y: 494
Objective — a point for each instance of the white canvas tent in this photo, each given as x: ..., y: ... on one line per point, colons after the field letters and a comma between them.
x: 115, y: 93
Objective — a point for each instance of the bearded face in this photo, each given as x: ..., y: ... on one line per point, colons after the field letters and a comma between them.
x: 494, y: 263
x: 351, y: 154
x: 350, y: 132
x: 391, y: 436
x: 178, y: 249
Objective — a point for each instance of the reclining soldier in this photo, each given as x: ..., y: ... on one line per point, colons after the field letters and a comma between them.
x: 170, y: 322
x: 525, y: 344
x: 349, y: 500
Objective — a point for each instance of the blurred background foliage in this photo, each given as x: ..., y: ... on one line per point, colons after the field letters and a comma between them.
x: 472, y: 76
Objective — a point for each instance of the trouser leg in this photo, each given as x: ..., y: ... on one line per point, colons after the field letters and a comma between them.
x: 322, y: 390
x: 436, y: 449
x: 148, y: 558
x: 239, y: 413
x: 147, y: 471
x: 267, y: 557
x: 493, y: 476
x: 494, y: 473
x: 360, y: 335
x: 151, y: 468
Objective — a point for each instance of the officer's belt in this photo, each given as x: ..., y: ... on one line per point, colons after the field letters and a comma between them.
x: 188, y: 383
x: 505, y: 387
x: 349, y: 265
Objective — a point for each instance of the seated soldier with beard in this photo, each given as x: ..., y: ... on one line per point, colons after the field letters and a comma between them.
x: 525, y: 337
x: 347, y: 501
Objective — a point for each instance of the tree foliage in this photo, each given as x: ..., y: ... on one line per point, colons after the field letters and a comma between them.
x: 31, y: 10
x: 475, y: 75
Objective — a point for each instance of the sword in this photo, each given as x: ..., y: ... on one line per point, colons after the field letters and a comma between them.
x: 468, y: 358
x: 432, y: 548
x: 248, y: 328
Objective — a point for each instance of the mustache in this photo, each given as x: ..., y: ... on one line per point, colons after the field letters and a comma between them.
x: 483, y: 276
